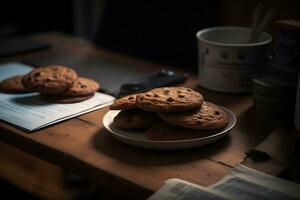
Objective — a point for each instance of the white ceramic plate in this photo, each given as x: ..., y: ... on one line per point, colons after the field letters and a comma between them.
x: 139, y: 138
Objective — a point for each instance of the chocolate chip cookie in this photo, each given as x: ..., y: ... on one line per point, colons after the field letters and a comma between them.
x: 169, y: 99
x: 13, y: 85
x: 82, y: 87
x: 209, y: 116
x: 168, y: 132
x: 49, y: 80
x: 124, y: 103
x: 135, y: 119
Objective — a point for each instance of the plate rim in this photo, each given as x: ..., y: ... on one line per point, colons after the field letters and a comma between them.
x: 223, y: 132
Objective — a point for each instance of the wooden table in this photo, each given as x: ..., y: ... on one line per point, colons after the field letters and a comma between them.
x: 82, y: 144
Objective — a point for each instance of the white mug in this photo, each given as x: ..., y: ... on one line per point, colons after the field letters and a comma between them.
x: 227, y: 62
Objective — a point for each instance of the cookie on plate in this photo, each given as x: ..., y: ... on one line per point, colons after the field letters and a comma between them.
x: 49, y: 80
x: 169, y: 99
x: 135, y: 119
x: 13, y: 85
x: 82, y: 87
x: 209, y: 116
x: 168, y: 132
x: 124, y: 103
x: 65, y: 99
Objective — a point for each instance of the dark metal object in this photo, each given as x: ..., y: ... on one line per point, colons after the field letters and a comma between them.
x: 161, y: 78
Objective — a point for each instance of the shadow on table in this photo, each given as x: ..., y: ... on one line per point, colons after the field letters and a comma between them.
x: 30, y: 100
x: 105, y: 143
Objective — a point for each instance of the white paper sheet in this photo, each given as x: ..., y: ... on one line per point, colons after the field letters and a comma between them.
x: 181, y: 190
x: 241, y: 183
x: 31, y: 112
x: 245, y: 183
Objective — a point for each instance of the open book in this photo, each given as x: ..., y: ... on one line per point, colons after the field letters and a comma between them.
x: 30, y: 112
x: 242, y: 183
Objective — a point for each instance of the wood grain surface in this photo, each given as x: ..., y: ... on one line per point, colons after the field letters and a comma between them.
x: 82, y: 144
x: 31, y: 174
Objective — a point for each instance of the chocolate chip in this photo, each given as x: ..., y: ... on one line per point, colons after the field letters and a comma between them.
x: 181, y: 96
x: 170, y: 99
x: 130, y: 98
x: 37, y: 74
x: 198, y: 122
x: 147, y: 95
x: 166, y: 91
x: 217, y: 112
x: 49, y: 79
x: 156, y: 95
x: 199, y: 117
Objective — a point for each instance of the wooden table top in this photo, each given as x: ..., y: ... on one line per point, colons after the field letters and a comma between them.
x: 82, y: 144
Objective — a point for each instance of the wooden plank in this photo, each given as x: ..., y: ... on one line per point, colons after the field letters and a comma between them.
x: 91, y: 151
x: 230, y: 150
x: 82, y: 145
x: 279, y: 146
x: 31, y: 174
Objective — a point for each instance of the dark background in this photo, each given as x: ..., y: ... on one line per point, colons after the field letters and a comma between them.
x: 157, y: 31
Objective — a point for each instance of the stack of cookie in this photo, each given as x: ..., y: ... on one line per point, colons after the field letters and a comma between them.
x: 55, y: 83
x: 169, y: 113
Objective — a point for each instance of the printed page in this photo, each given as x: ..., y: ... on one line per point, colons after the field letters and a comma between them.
x: 242, y: 183
x: 31, y: 112
x: 246, y: 183
x: 182, y: 190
